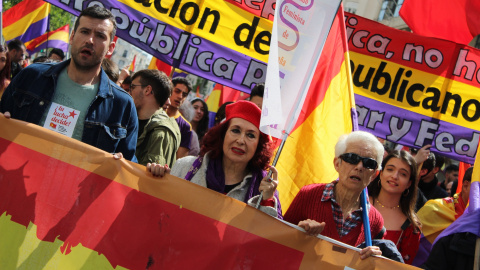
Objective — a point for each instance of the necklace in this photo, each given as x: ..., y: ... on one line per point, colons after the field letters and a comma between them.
x: 383, y: 206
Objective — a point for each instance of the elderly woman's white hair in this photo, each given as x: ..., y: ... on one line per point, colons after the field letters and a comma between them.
x: 363, y: 138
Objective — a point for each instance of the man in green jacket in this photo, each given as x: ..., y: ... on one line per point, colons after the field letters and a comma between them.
x: 158, y: 134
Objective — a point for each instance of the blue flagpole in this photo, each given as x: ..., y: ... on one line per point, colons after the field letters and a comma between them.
x: 366, y: 223
x: 48, y: 30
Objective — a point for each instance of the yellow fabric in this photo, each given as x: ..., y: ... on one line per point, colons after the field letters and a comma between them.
x: 436, y: 215
x: 308, y: 154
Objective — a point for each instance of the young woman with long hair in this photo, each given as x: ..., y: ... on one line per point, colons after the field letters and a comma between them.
x: 393, y: 193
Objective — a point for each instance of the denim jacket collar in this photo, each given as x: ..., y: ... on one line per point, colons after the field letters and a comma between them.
x: 104, y: 89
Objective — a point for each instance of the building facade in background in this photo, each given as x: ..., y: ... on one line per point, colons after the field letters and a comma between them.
x: 125, y: 52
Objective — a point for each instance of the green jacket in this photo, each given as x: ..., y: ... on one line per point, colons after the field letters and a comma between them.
x: 159, y: 140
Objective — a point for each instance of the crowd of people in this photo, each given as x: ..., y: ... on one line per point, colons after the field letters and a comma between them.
x: 146, y: 117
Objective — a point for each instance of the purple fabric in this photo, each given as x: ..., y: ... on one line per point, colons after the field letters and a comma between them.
x: 207, y: 58
x: 194, y: 169
x: 60, y: 44
x: 423, y: 251
x: 35, y: 30
x: 216, y: 180
x: 470, y: 220
x: 185, y: 131
x: 393, y: 117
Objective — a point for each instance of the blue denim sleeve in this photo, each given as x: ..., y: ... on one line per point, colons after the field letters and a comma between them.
x: 128, y: 145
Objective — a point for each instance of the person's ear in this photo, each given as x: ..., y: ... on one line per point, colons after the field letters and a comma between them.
x: 111, y: 48
x: 336, y: 163
x: 148, y: 90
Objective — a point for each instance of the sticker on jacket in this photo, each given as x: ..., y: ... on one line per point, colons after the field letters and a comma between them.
x: 61, y: 119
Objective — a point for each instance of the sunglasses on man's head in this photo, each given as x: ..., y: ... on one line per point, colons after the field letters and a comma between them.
x: 354, y: 159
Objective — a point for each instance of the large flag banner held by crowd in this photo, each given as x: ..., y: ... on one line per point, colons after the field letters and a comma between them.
x: 68, y: 205
x: 415, y: 90
x: 216, y: 39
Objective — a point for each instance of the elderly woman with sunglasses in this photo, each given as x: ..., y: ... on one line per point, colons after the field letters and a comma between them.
x: 334, y: 209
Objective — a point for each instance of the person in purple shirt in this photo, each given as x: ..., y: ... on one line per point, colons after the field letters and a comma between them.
x: 181, y: 89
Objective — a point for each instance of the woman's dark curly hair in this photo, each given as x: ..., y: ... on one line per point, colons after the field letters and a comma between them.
x: 407, y: 202
x: 213, y: 144
x: 202, y: 126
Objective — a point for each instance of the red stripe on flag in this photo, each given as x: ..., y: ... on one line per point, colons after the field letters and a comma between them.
x: 21, y: 10
x: 325, y: 71
x: 257, y: 8
x: 132, y: 229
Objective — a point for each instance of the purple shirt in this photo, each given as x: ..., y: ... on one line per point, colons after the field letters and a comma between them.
x: 185, y: 131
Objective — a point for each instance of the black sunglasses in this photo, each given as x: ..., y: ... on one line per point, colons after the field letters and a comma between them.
x: 354, y: 159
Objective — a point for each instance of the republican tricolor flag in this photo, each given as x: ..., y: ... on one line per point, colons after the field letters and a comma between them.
x: 26, y: 20
x: 53, y: 39
x: 67, y: 205
x: 327, y: 110
x: 132, y: 65
x: 470, y: 220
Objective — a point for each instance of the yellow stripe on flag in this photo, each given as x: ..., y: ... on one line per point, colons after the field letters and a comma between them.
x: 476, y: 167
x: 307, y: 157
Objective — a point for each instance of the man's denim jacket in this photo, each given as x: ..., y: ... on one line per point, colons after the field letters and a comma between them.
x: 111, y: 121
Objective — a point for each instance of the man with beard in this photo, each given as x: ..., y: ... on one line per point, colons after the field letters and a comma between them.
x: 158, y: 134
x: 76, y: 97
x: 16, y: 51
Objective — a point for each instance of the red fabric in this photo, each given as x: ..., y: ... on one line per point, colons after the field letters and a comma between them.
x: 444, y: 19
x: 462, y: 167
x: 35, y: 42
x: 473, y: 21
x: 460, y: 205
x: 20, y: 10
x: 308, y: 205
x: 230, y: 94
x: 244, y: 109
x: 408, y: 244
x: 76, y: 206
x: 269, y: 202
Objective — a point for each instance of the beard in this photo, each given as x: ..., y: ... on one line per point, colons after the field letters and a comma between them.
x: 82, y: 64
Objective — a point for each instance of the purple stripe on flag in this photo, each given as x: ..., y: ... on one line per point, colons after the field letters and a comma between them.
x: 34, y: 30
x: 60, y: 44
x: 354, y: 119
x: 171, y: 45
x: 415, y: 130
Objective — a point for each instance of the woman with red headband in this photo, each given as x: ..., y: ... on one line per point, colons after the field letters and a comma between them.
x: 233, y: 160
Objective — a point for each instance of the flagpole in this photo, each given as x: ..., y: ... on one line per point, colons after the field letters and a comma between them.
x: 364, y: 194
x: 476, y: 264
x: 48, y: 30
x: 1, y: 24
x: 293, y: 115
